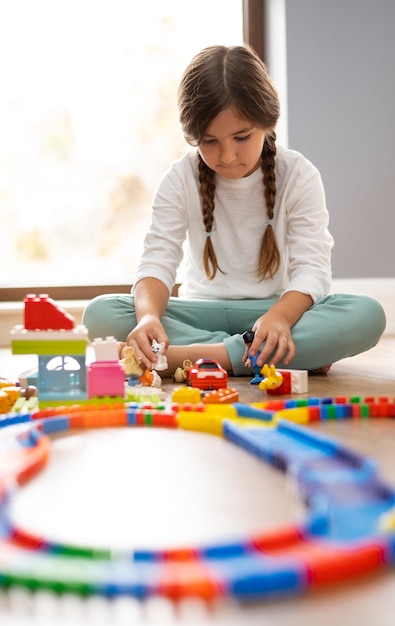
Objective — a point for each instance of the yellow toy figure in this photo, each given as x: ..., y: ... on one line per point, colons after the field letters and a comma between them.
x: 179, y: 375
x: 272, y: 378
x: 131, y: 366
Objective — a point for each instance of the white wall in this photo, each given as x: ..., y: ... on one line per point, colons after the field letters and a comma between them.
x: 341, y: 115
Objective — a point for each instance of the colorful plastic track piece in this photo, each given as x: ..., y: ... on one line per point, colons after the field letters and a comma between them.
x: 341, y: 537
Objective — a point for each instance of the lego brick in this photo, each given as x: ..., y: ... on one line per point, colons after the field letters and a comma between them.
x: 42, y: 313
x: 49, y: 347
x: 105, y: 378
x: 105, y: 349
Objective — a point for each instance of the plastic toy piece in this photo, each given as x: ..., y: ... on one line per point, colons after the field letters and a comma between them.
x: 5, y: 382
x: 299, y: 380
x: 293, y: 381
x: 340, y: 538
x: 106, y: 378
x: 273, y: 379
x: 49, y: 341
x: 179, y: 375
x: 150, y: 379
x: 42, y: 313
x: 158, y: 349
x: 105, y: 349
x: 8, y: 397
x: 221, y: 396
x: 131, y: 366
x: 248, y: 338
x: 141, y: 393
x: 206, y: 374
x: 50, y: 333
x: 386, y: 521
x: 184, y: 395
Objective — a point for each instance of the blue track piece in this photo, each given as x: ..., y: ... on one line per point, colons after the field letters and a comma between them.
x: 345, y: 524
x: 139, y: 580
x: 10, y: 419
x: 246, y: 410
x: 146, y: 556
x: 131, y: 413
x: 340, y: 487
x: 257, y: 576
x: 55, y: 424
x: 334, y: 470
x: 225, y: 550
x: 279, y: 446
x: 317, y: 441
x: 249, y: 439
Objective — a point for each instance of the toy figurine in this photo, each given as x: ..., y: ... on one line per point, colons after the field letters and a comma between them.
x: 150, y: 378
x: 272, y: 378
x: 248, y: 338
x: 180, y: 375
x: 158, y: 349
x: 131, y: 366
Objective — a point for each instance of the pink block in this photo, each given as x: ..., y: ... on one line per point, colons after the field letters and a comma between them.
x: 106, y: 378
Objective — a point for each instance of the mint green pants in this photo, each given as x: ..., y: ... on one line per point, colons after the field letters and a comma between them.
x: 335, y: 327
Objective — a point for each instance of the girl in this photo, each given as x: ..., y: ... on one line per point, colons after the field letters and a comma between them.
x: 249, y: 218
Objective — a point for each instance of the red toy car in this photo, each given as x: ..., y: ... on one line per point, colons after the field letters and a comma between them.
x: 206, y: 374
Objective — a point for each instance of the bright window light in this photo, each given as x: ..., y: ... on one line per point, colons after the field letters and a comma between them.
x: 88, y: 125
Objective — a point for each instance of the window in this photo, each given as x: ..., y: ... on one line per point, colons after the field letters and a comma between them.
x: 88, y: 125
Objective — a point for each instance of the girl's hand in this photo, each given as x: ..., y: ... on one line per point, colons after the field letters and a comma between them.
x: 273, y: 330
x: 141, y: 337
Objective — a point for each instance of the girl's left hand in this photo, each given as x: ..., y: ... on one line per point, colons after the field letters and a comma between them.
x: 274, y: 329
x: 275, y: 332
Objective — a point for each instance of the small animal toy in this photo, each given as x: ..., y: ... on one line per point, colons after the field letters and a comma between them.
x: 180, y: 375
x: 158, y: 349
x: 271, y: 377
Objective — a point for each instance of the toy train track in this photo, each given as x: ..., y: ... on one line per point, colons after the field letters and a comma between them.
x: 349, y: 529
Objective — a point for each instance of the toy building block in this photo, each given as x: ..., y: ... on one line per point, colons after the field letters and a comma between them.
x: 106, y: 378
x: 284, y: 388
x: 61, y: 378
x: 228, y: 395
x: 42, y: 313
x: 106, y: 349
x: 46, y: 342
x: 299, y: 381
x: 294, y: 381
x: 270, y: 378
x: 184, y: 395
x: 51, y: 334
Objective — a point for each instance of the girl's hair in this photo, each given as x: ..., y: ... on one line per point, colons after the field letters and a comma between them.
x: 219, y: 77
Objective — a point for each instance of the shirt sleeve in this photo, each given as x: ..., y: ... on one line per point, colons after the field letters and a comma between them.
x: 162, y: 253
x: 309, y: 242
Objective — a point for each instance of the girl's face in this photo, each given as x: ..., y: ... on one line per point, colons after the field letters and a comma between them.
x: 232, y: 145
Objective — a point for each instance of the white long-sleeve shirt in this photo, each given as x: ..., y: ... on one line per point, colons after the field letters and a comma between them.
x: 300, y: 222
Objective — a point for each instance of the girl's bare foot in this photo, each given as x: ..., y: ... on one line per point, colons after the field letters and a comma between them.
x: 321, y: 370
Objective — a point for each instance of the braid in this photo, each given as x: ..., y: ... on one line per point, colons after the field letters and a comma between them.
x: 269, y: 255
x: 207, y: 189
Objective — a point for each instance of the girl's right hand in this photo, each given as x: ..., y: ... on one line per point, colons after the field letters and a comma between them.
x: 141, y: 337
